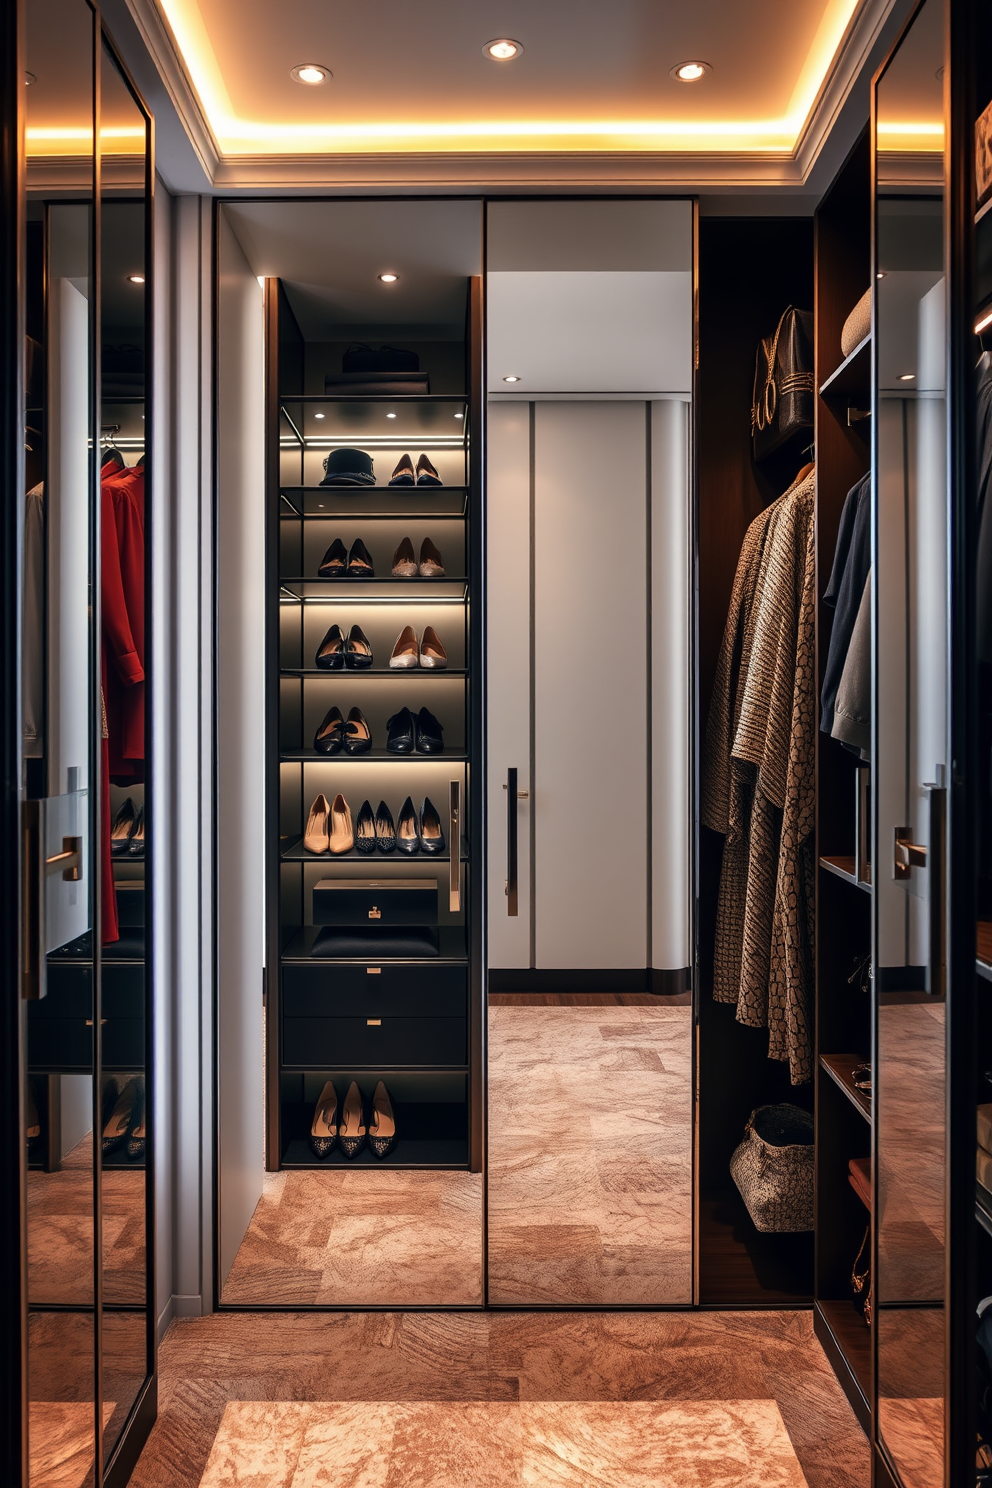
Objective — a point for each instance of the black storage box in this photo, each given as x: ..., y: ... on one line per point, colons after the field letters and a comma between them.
x: 378, y: 903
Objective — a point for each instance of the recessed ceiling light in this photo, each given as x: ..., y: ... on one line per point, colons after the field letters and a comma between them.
x: 135, y: 278
x: 390, y: 415
x: 907, y: 376
x: 690, y: 72
x: 502, y: 49
x: 389, y: 278
x: 459, y: 415
x: 29, y: 78
x: 309, y: 72
x: 318, y: 415
x: 511, y: 379
x: 880, y: 274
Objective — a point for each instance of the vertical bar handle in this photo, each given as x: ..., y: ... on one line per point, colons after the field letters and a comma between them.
x: 511, y: 842
x: 455, y: 846
x: 33, y: 905
x: 936, y: 885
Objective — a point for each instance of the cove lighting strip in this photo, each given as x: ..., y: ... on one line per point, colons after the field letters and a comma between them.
x: 375, y: 441
x: 239, y: 136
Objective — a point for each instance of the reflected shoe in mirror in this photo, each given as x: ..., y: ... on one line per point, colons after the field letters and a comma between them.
x: 357, y: 650
x: 315, y: 838
x: 404, y: 561
x: 329, y: 738
x: 136, y: 1142
x: 122, y: 1118
x: 431, y: 562
x: 385, y: 832
x: 120, y: 832
x: 341, y: 837
x: 426, y: 474
x: 430, y: 734
x: 360, y: 565
x: 405, y: 650
x: 365, y: 829
x: 403, y: 474
x: 432, y: 653
x: 334, y: 563
x: 401, y: 733
x: 431, y: 835
x: 351, y: 1132
x: 357, y: 736
x: 324, y: 1126
x: 407, y: 835
x: 382, y: 1127
x: 330, y: 652
x: 136, y: 847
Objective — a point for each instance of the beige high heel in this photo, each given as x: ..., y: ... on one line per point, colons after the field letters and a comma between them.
x: 315, y: 838
x: 341, y: 838
x: 405, y: 650
x: 432, y: 653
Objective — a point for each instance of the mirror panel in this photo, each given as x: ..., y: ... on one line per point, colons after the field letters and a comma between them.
x: 59, y: 749
x: 911, y: 749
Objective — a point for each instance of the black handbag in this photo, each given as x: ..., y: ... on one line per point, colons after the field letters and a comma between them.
x: 361, y: 358
x: 782, y: 402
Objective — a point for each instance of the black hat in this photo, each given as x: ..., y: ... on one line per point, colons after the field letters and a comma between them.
x: 348, y: 467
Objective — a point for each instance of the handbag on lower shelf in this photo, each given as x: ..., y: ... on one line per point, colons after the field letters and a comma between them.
x: 773, y: 1169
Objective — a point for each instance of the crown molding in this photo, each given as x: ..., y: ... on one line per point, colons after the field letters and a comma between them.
x: 157, y: 37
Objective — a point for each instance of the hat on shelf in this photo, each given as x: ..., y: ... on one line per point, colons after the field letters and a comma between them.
x: 857, y: 325
x: 348, y: 467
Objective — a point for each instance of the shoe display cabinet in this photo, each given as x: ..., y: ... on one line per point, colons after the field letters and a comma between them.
x: 376, y: 1012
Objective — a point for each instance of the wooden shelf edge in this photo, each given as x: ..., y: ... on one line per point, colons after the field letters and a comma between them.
x: 827, y: 1313
x: 836, y: 1066
x: 838, y: 866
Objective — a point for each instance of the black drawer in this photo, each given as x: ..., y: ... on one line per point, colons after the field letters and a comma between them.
x: 60, y: 1045
x: 316, y: 1043
x: 375, y: 901
x: 124, y: 1043
x: 410, y: 991
x: 123, y: 991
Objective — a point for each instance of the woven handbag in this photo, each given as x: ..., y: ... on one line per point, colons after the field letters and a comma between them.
x: 782, y: 401
x: 773, y: 1168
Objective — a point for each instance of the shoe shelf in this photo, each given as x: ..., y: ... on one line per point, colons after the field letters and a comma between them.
x: 409, y: 1152
x: 362, y: 591
x: 294, y: 852
x: 298, y: 941
x: 846, y: 869
x: 372, y: 503
x: 374, y: 757
x: 840, y: 1068
x: 399, y: 674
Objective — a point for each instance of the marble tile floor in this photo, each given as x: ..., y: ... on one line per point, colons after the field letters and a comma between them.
x: 60, y: 1233
x: 590, y: 1155
x: 660, y: 1360
x: 61, y: 1437
x: 639, y: 1444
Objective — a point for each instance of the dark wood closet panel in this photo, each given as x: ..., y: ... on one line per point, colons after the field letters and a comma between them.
x: 750, y: 270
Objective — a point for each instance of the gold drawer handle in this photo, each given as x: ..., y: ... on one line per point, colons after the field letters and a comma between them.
x: 373, y: 971
x: 374, y: 1022
x: 375, y: 914
x: 89, y: 1022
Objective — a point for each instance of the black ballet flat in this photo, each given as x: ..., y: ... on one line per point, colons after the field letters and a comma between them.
x: 329, y: 738
x: 357, y: 735
x: 430, y: 734
x: 331, y: 651
x: 401, y: 733
x: 357, y: 650
x: 334, y: 563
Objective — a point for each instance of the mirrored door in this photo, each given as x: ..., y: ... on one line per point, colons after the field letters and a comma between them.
x: 910, y: 750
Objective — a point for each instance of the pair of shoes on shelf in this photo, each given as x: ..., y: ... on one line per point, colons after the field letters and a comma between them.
x: 349, y: 1130
x: 127, y: 835
x: 329, y: 827
x: 406, y: 734
x: 424, y: 836
x: 374, y: 832
x: 424, y: 475
x: 338, y: 735
x: 126, y: 1122
x: 429, y: 652
x: 405, y: 565
x: 337, y: 651
x: 338, y: 563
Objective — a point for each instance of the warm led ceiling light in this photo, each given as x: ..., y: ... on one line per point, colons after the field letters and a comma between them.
x: 511, y: 379
x: 389, y: 278
x: 502, y: 49
x: 135, y: 278
x: 390, y: 415
x: 690, y: 72
x: 318, y: 415
x: 907, y: 377
x: 309, y: 72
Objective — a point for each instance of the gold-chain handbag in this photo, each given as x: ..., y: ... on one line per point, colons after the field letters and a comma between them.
x: 861, y: 1275
x: 782, y: 401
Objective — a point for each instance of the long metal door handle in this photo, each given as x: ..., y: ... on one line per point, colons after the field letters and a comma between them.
x: 455, y: 846
x: 511, y: 842
x: 33, y: 906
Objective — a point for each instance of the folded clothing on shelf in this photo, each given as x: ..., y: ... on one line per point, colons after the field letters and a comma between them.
x: 377, y: 384
x: 372, y: 945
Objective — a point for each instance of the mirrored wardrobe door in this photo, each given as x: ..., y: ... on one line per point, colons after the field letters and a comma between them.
x: 59, y: 746
x: 125, y: 1139
x: 911, y: 755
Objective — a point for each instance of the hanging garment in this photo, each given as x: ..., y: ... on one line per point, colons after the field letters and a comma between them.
x: 852, y: 559
x: 123, y: 585
x: 852, y: 709
x: 763, y: 959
